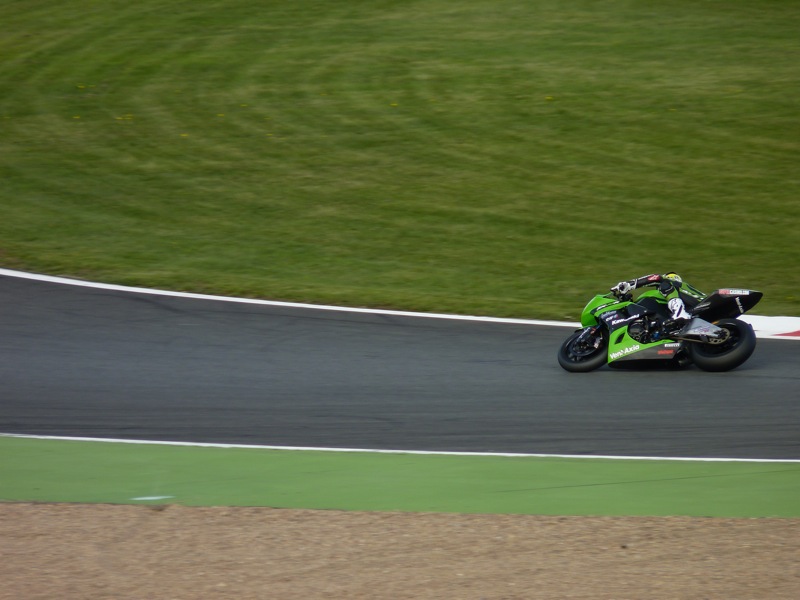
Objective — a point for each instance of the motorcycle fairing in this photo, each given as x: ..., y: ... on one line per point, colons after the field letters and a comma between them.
x: 600, y: 304
x: 617, y: 314
x: 727, y: 303
x: 622, y: 346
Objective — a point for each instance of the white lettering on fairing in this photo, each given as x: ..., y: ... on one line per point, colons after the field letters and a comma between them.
x: 625, y: 352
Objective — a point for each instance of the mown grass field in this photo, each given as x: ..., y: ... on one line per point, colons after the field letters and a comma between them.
x: 507, y: 158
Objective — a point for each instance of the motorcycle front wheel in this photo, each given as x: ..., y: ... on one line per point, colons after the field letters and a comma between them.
x: 584, y: 351
x: 729, y: 354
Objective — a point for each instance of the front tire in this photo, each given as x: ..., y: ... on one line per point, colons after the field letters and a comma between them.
x: 729, y: 354
x: 584, y: 351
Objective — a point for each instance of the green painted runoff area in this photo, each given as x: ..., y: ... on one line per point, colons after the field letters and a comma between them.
x: 120, y: 473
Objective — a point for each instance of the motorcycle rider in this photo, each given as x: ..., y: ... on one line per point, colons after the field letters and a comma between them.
x: 670, y: 285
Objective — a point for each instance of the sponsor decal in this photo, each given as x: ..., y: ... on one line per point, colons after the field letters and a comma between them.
x: 624, y: 352
x: 739, y: 304
x: 666, y: 352
x: 675, y: 345
x: 733, y: 292
x: 654, y: 278
x: 625, y: 320
x: 704, y: 329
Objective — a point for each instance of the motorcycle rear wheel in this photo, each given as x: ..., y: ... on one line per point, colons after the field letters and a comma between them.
x: 582, y: 356
x: 729, y: 354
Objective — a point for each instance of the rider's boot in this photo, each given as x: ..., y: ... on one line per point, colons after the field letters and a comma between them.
x: 679, y: 318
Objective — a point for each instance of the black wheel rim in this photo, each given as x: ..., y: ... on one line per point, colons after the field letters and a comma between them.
x: 581, y: 350
x: 726, y: 346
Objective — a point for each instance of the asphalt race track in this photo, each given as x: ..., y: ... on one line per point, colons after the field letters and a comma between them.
x: 78, y: 361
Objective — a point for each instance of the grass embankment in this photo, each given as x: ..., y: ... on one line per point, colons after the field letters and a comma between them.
x: 502, y: 158
x: 69, y: 471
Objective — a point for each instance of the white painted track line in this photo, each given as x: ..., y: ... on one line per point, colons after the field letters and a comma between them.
x: 413, y: 452
x: 137, y: 290
x: 765, y: 327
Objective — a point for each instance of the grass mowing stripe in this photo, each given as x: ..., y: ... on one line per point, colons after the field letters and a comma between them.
x: 66, y: 471
x: 468, y: 159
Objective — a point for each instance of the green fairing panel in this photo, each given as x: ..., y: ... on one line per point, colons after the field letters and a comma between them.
x: 604, y: 302
x: 627, y: 346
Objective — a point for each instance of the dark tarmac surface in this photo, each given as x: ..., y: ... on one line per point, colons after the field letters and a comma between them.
x: 86, y: 362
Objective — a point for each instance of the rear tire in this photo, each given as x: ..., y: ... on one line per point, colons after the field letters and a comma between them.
x: 582, y: 356
x: 728, y: 355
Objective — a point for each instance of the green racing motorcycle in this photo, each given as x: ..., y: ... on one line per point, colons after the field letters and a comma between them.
x: 616, y: 329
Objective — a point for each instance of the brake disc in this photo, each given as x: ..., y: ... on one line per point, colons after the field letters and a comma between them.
x: 720, y: 338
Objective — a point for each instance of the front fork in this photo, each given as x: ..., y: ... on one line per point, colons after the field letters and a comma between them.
x: 587, y: 338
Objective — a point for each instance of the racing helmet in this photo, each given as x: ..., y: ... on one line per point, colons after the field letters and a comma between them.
x: 670, y: 281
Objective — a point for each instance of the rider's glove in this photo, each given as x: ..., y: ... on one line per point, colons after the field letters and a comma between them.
x: 622, y: 288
